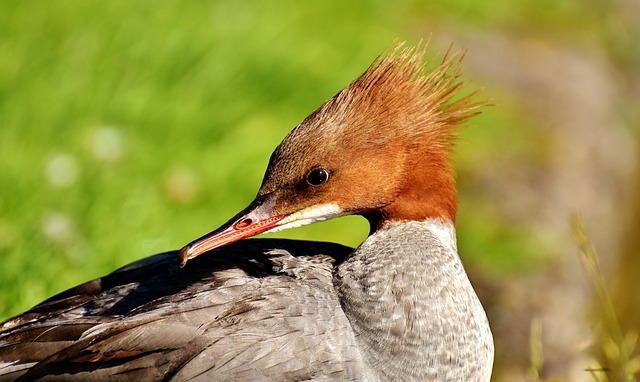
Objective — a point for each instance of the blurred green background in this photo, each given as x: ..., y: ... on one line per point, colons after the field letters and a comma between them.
x: 129, y: 128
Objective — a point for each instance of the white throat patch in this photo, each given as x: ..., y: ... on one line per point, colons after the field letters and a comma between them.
x: 317, y: 213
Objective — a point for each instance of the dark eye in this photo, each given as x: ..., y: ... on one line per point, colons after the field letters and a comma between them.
x: 318, y: 177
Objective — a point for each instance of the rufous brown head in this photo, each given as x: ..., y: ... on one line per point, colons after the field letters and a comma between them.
x: 379, y: 148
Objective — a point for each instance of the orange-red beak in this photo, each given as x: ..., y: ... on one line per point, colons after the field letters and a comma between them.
x: 257, y: 218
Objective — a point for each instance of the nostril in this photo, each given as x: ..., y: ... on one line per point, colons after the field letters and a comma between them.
x: 243, y: 223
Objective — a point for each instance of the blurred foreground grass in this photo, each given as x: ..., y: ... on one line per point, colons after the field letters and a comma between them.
x: 618, y: 347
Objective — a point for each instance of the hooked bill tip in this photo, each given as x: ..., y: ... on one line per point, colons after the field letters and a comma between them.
x: 183, y: 255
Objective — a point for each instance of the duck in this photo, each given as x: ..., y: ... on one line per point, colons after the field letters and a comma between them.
x: 399, y: 307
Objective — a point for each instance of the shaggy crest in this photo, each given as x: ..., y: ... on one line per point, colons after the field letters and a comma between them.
x: 396, y: 90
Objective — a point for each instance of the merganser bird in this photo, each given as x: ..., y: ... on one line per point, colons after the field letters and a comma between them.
x: 399, y: 307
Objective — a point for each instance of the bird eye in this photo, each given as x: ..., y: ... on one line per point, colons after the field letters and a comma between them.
x: 318, y: 177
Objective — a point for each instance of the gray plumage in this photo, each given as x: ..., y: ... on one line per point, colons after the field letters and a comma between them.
x: 273, y: 310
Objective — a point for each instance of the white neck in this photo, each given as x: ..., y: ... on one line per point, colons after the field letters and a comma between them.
x: 412, y: 306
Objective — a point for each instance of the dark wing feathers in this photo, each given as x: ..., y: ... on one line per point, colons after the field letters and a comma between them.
x: 257, y: 309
